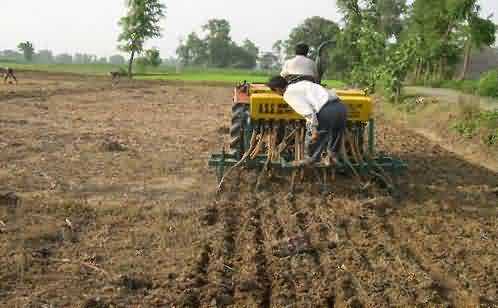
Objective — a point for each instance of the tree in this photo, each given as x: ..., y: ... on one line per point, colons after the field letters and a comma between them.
x: 64, y: 58
x: 218, y: 42
x: 217, y: 48
x: 44, y: 56
x: 83, y: 58
x: 268, y: 61
x: 240, y: 57
x: 278, y: 49
x: 153, y: 57
x: 27, y: 49
x: 313, y: 31
x: 372, y: 50
x: 218, y: 28
x: 384, y: 16
x: 11, y: 55
x: 184, y: 52
x: 102, y: 60
x: 250, y: 47
x: 398, y: 62
x: 446, y: 29
x: 141, y: 64
x: 245, y: 56
x: 117, y: 60
x: 141, y: 22
x: 353, y: 19
x: 194, y: 51
x: 170, y: 62
x: 384, y: 40
x: 478, y: 32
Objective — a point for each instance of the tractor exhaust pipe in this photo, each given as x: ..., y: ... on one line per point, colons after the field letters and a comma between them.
x: 320, y: 60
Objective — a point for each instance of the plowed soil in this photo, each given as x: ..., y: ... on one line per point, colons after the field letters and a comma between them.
x: 106, y: 200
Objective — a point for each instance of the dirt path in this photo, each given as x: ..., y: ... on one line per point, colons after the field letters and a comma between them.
x: 116, y: 208
x: 449, y: 95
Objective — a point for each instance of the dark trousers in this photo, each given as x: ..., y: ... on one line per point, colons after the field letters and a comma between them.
x: 332, y: 119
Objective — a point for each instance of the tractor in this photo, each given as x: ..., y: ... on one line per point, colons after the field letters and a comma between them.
x: 268, y: 135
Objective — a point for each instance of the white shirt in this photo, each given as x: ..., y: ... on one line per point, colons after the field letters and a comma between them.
x: 307, y: 98
x: 299, y: 65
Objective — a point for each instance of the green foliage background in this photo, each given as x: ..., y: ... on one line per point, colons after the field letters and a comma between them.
x: 488, y: 85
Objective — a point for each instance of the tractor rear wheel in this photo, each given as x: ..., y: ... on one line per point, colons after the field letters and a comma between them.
x: 239, y: 118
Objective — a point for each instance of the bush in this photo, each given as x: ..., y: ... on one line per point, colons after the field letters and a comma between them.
x: 491, y: 138
x: 436, y: 83
x: 451, y: 84
x: 468, y: 128
x: 488, y: 85
x: 466, y: 86
x: 483, y: 123
x: 469, y: 86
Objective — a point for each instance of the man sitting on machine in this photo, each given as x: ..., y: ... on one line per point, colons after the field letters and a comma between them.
x: 323, y: 111
x: 300, y: 67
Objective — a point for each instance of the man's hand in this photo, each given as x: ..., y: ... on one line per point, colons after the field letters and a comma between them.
x: 314, y: 135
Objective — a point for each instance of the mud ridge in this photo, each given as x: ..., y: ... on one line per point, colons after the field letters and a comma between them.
x: 273, y: 226
x: 197, y: 279
x: 325, y: 240
x: 447, y: 286
x: 226, y: 283
x: 262, y: 269
x: 411, y: 283
x: 354, y: 269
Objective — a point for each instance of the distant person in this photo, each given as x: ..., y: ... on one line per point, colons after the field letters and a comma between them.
x: 325, y: 116
x: 9, y: 74
x: 300, y: 67
x: 115, y: 77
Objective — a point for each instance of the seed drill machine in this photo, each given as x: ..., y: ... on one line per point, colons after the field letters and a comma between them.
x: 268, y: 135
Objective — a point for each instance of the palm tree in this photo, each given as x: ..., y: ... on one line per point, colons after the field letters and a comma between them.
x: 27, y: 49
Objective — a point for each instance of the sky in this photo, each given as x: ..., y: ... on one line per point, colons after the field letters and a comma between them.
x: 91, y: 26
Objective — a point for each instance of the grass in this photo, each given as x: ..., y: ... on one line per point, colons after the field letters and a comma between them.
x: 464, y: 117
x: 487, y: 86
x: 162, y: 73
x: 473, y: 122
x: 466, y: 86
x: 206, y: 75
x: 223, y: 77
x: 87, y: 69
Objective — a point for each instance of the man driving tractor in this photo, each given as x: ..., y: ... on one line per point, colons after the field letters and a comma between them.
x: 300, y: 67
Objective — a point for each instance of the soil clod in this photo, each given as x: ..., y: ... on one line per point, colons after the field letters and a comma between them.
x: 110, y: 145
x: 210, y: 216
x: 293, y: 246
x: 9, y: 199
x: 135, y: 282
x: 96, y: 302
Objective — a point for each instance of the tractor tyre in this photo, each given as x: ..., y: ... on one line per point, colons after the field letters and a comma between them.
x: 239, y: 118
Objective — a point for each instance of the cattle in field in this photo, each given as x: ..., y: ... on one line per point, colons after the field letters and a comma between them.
x: 8, y: 75
x: 115, y: 77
